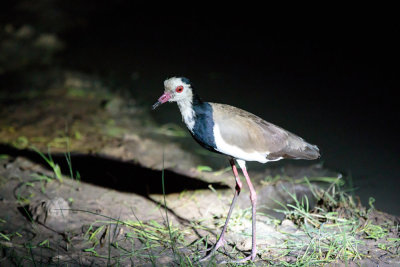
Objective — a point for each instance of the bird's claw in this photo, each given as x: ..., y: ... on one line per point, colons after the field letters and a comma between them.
x: 251, y: 257
x: 220, y: 243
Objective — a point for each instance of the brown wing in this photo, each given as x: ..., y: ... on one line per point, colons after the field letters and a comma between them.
x: 253, y: 134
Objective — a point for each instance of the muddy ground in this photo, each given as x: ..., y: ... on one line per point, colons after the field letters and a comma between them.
x: 82, y: 168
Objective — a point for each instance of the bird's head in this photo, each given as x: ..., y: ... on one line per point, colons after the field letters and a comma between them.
x: 175, y: 89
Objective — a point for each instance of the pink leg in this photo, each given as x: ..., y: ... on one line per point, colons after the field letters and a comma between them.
x: 221, y: 239
x: 253, y: 198
x: 235, y: 172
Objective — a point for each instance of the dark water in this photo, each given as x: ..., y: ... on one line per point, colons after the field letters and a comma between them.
x: 333, y: 83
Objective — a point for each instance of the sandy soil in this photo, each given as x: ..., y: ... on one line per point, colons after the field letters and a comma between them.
x: 99, y: 200
x: 112, y: 209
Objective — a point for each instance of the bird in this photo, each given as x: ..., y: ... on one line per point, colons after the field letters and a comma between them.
x: 237, y: 134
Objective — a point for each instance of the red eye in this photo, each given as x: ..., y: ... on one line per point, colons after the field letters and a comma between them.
x: 179, y: 89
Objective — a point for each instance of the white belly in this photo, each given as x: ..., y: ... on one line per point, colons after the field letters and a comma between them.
x: 236, y: 152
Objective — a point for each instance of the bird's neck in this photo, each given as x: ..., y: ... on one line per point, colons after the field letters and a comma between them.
x: 187, y: 110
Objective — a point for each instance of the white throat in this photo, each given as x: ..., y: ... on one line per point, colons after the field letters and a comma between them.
x: 188, y: 115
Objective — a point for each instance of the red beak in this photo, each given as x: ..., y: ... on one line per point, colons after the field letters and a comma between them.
x: 164, y: 98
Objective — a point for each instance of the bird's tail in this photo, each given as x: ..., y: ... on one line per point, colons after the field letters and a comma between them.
x: 310, y: 152
x: 304, y: 151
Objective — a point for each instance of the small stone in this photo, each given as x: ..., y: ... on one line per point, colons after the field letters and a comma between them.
x: 58, y: 207
x: 54, y: 209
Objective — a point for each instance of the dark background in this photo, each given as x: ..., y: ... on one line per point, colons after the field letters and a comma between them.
x: 331, y: 79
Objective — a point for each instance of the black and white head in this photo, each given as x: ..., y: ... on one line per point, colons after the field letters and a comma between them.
x: 176, y: 89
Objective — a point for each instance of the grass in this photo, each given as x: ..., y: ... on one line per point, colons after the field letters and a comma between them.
x: 326, y: 244
x: 54, y: 166
x: 373, y: 231
x: 24, y: 194
x: 330, y: 232
x: 49, y: 160
x: 148, y: 240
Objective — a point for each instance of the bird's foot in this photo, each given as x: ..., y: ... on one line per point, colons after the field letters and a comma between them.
x: 220, y: 243
x: 251, y: 257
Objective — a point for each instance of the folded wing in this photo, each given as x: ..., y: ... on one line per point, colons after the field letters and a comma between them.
x: 253, y: 134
